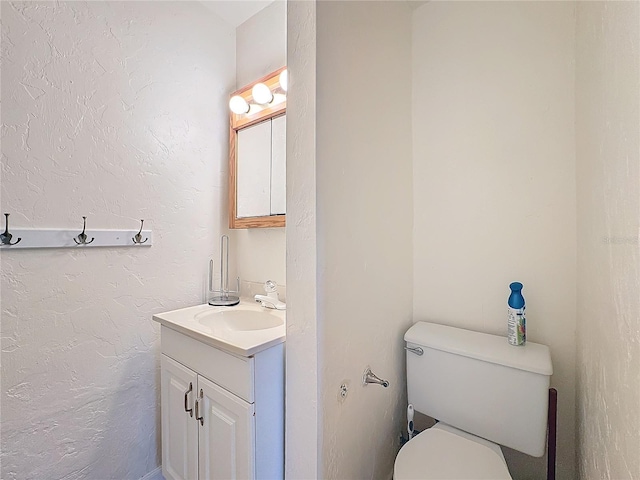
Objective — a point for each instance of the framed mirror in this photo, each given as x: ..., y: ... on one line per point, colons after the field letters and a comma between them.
x: 257, y: 153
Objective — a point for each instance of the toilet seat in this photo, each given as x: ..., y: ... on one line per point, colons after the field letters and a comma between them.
x: 446, y: 453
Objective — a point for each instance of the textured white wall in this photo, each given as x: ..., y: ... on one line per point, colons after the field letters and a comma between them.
x: 303, y: 416
x: 364, y: 225
x: 117, y: 111
x: 261, y: 43
x: 608, y: 172
x: 494, y: 179
x: 261, y: 48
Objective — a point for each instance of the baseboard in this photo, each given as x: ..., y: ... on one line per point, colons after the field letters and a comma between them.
x: 155, y: 474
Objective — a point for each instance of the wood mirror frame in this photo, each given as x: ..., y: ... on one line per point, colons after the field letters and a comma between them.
x: 237, y: 123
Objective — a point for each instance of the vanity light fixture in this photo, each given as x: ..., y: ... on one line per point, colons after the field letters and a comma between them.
x: 266, y: 96
x: 238, y: 105
x: 261, y: 94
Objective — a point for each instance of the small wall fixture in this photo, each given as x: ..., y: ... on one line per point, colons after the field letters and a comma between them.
x: 369, y: 377
x: 137, y: 238
x: 81, y: 239
x: 5, y: 238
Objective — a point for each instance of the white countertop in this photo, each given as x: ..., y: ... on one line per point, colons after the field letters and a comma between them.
x: 246, y: 343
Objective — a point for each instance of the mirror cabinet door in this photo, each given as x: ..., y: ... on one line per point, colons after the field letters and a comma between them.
x: 254, y: 171
x: 278, y: 165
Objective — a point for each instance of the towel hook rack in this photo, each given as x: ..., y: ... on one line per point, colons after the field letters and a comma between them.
x: 81, y: 239
x: 137, y: 239
x: 6, y: 237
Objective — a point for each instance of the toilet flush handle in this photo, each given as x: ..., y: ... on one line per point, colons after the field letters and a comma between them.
x: 417, y: 350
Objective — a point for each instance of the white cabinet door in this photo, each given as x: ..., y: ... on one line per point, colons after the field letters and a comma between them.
x: 179, y: 428
x: 254, y: 171
x: 226, y: 438
x: 278, y: 165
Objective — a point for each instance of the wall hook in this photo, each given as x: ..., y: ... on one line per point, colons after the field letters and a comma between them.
x: 138, y: 237
x: 81, y: 239
x: 6, y: 237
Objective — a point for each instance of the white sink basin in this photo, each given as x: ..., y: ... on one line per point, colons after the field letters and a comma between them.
x: 239, y: 319
x: 244, y: 329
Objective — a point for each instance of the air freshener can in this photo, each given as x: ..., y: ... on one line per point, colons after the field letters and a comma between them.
x: 516, y: 322
x: 517, y: 326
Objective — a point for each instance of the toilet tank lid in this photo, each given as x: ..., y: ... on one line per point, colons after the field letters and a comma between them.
x: 531, y: 357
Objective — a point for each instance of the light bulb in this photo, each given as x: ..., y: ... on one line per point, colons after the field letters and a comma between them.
x: 238, y: 105
x: 261, y: 94
x: 284, y: 79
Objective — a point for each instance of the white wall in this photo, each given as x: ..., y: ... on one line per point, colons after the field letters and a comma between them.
x: 364, y: 224
x: 303, y: 413
x: 608, y: 172
x: 117, y: 111
x: 261, y: 48
x: 494, y: 179
x: 261, y: 43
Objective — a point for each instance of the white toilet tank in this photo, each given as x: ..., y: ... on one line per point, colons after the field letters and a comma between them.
x: 480, y: 384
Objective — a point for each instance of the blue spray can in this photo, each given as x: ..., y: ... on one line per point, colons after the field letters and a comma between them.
x: 517, y: 325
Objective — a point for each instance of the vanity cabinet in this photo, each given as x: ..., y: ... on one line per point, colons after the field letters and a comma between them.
x: 179, y: 430
x: 222, y: 414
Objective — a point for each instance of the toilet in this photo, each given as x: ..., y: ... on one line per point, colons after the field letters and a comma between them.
x: 483, y: 392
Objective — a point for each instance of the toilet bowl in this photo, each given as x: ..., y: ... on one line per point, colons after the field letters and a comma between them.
x: 443, y: 452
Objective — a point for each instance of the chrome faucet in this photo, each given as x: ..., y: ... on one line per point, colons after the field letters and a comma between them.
x: 271, y: 299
